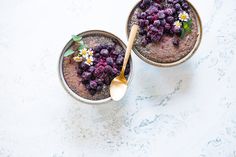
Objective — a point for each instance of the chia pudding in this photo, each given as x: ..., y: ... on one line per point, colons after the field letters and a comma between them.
x: 169, y: 29
x: 91, y: 62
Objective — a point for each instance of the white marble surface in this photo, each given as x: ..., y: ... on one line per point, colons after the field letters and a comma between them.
x: 185, y: 111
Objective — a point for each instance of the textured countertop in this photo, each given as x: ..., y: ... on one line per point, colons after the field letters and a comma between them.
x: 185, y: 111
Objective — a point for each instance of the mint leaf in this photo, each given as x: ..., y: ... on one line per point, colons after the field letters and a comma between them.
x: 186, y: 28
x: 182, y: 33
x: 185, y: 25
x: 190, y: 22
x: 68, y: 52
x: 76, y: 38
x: 81, y: 42
x: 82, y: 46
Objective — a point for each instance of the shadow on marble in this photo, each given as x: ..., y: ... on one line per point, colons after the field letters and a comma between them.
x: 182, y: 73
x: 160, y: 84
x: 103, y: 121
x: 112, y: 114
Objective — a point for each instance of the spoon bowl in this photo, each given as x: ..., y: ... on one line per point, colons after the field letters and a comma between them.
x: 118, y: 87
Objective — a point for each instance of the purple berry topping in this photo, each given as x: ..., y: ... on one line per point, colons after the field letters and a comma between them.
x: 107, y: 60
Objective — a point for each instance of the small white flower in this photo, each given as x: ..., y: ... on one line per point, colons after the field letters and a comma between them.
x: 90, y: 52
x: 78, y: 59
x: 177, y: 24
x: 183, y: 16
x: 84, y: 53
x: 89, y: 60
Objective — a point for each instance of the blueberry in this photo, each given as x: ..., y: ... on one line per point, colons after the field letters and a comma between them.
x: 107, y: 80
x: 87, y: 86
x: 146, y: 22
x: 146, y: 2
x: 150, y: 18
x: 95, y: 60
x: 119, y: 60
x: 153, y: 29
x: 142, y: 6
x: 104, y: 52
x: 157, y: 5
x: 108, y: 69
x: 175, y: 1
x: 138, y: 15
x: 109, y: 60
x: 157, y: 23
x: 99, y: 88
x: 149, y: 33
x: 168, y: 11
x: 143, y: 15
x: 151, y: 10
x: 110, y: 47
x: 150, y: 26
x: 97, y: 55
x: 97, y: 49
x: 177, y: 6
x: 176, y: 30
x: 163, y: 22
x: 93, y: 84
x: 142, y: 32
x: 86, y: 76
x: 144, y: 41
x: 114, y: 72
x: 84, y: 66
x: 185, y: 6
x: 141, y: 23
x: 161, y: 15
x: 167, y: 26
x: 170, y: 19
x: 91, y: 69
x: 99, y: 82
x: 115, y: 52
x: 173, y: 10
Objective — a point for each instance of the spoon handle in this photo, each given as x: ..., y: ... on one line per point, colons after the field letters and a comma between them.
x: 132, y: 36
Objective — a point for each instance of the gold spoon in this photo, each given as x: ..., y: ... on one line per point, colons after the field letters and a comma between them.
x: 119, y: 84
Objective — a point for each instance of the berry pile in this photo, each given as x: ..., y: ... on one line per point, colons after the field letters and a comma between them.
x: 106, y: 66
x: 158, y: 18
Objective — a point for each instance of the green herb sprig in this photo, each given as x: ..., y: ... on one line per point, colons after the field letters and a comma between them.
x: 186, y: 28
x: 77, y: 39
